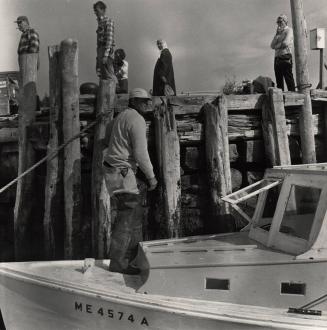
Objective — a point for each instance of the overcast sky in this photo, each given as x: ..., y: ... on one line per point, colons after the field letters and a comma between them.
x: 209, y: 39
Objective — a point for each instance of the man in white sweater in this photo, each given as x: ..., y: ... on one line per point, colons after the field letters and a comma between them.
x: 126, y: 151
x: 282, y: 43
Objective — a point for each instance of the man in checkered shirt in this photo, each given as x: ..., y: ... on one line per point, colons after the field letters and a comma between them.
x: 105, y: 43
x: 29, y: 41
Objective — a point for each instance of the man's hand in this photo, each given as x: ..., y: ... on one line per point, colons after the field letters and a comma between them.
x: 152, y: 183
x: 168, y: 90
x: 279, y: 30
x: 104, y: 59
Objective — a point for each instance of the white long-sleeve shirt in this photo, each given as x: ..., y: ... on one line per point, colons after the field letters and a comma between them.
x: 122, y: 72
x: 282, y: 42
x: 127, y: 143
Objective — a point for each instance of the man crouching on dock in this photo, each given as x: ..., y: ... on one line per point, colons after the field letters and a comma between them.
x: 126, y: 150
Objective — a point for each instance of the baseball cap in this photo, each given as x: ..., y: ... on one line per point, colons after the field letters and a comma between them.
x: 139, y: 93
x: 21, y: 18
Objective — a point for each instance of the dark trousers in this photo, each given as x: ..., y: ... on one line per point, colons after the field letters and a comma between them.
x: 283, y: 70
x: 122, y: 86
x: 126, y: 231
x: 105, y: 71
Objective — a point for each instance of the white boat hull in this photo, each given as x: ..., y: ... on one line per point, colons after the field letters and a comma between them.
x: 37, y: 307
x: 32, y: 302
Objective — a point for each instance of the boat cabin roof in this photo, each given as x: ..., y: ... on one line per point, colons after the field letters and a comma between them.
x: 290, y: 212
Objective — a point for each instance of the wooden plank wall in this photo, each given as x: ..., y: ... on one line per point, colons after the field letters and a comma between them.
x: 246, y: 150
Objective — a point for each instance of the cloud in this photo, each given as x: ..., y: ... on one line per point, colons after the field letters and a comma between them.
x: 209, y: 39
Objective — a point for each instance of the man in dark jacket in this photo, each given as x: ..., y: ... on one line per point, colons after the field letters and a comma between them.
x: 163, y: 77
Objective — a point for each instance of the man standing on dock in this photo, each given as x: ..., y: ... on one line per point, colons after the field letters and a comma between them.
x: 126, y: 150
x: 163, y: 77
x: 282, y: 44
x: 29, y: 41
x: 105, y: 43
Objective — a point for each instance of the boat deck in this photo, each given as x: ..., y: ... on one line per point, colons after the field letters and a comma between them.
x: 212, y: 250
x: 100, y: 283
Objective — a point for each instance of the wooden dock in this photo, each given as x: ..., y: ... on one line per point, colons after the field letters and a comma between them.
x: 203, y: 146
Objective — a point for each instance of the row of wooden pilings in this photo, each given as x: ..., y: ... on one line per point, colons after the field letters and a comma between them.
x: 62, y: 237
x: 63, y: 179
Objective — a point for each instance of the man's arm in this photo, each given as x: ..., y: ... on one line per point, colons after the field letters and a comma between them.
x: 109, y: 37
x: 140, y: 147
x: 34, y: 42
x: 288, y: 38
x: 274, y: 42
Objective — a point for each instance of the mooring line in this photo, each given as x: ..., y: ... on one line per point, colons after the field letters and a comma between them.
x: 54, y: 153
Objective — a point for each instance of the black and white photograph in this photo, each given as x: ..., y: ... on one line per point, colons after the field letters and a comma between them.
x: 163, y: 165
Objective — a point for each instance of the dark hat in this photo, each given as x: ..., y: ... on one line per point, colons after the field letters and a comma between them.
x: 21, y: 18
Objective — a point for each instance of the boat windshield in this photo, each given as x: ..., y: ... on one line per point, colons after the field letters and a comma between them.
x: 247, y: 199
x: 300, y: 211
x: 264, y: 222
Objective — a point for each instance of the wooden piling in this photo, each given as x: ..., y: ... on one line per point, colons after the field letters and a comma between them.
x: 217, y: 158
x: 168, y: 212
x: 321, y: 68
x: 303, y: 81
x: 25, y: 187
x: 72, y: 160
x: 53, y: 217
x: 101, y: 217
x: 274, y: 129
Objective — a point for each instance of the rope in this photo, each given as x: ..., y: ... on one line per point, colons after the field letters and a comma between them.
x: 54, y: 153
x: 315, y: 302
x: 303, y: 86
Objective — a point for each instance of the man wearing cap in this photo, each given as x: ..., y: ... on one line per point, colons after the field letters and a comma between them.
x: 29, y: 41
x: 126, y: 150
x: 282, y: 44
x: 163, y: 76
x: 105, y: 43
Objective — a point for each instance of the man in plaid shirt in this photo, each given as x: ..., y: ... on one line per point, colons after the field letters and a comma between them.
x: 105, y: 43
x: 29, y: 41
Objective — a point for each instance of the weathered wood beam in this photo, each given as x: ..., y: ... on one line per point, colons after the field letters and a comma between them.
x: 244, y: 102
x: 275, y: 130
x: 53, y: 220
x: 318, y: 94
x: 25, y: 187
x: 168, y: 212
x: 321, y: 68
x: 8, y: 134
x: 292, y: 99
x: 39, y: 134
x: 72, y: 157
x: 218, y: 164
x: 303, y: 81
x: 325, y: 131
x: 191, y: 105
x: 101, y: 217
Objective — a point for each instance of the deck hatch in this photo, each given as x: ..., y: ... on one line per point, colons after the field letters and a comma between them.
x: 292, y: 288
x: 217, y: 284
